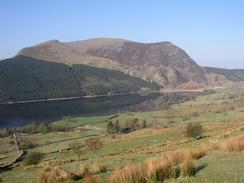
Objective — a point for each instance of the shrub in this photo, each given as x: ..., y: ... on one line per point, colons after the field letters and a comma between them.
x: 188, y: 167
x: 5, y: 132
x: 77, y: 148
x: 193, y: 130
x: 33, y: 158
x: 44, y: 128
x: 57, y: 128
x: 98, y: 168
x: 26, y: 144
x: 94, y: 144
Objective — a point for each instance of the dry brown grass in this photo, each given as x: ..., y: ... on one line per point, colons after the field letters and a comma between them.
x: 187, y: 167
x: 84, y: 170
x: 199, y: 152
x: 98, y: 168
x: 153, y: 170
x: 77, y: 174
x: 53, y: 175
x: 214, y: 146
x: 160, y: 169
x: 92, y: 179
x: 196, y: 153
x: 131, y: 173
x: 233, y: 145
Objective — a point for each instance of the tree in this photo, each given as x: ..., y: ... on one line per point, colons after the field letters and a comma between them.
x: 94, y: 144
x: 77, y: 148
x: 110, y: 127
x: 44, y: 128
x: 134, y: 123
x: 117, y: 126
x: 5, y: 132
x: 193, y: 130
x: 144, y: 124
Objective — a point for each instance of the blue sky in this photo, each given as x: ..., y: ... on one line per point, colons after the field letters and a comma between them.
x: 210, y: 31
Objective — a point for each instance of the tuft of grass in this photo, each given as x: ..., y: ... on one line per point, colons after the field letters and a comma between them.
x: 92, y: 179
x: 77, y: 174
x: 131, y: 173
x: 160, y: 169
x: 53, y: 175
x: 98, y: 168
x: 188, y: 167
x: 234, y: 145
x: 84, y: 170
x: 198, y: 153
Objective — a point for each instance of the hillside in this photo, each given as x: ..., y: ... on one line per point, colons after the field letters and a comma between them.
x: 230, y: 74
x: 163, y: 63
x: 157, y: 150
x: 25, y: 78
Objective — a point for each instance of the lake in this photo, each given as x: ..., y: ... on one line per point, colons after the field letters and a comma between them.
x: 16, y: 115
x: 20, y: 114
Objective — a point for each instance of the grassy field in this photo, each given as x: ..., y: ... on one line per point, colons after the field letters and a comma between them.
x: 221, y: 116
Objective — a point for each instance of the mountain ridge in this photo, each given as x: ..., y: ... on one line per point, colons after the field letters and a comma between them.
x: 161, y: 62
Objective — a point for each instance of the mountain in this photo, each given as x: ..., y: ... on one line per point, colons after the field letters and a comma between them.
x: 163, y: 62
x: 26, y: 78
x: 230, y: 74
x: 55, y: 69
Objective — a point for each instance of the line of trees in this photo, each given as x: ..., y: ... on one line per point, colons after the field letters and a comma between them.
x: 130, y: 125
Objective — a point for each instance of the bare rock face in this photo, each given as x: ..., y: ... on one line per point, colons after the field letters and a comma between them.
x: 163, y: 63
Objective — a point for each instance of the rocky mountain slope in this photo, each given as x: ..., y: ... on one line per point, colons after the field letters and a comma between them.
x: 163, y: 63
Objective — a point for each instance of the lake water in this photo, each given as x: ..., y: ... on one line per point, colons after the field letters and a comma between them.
x: 16, y: 115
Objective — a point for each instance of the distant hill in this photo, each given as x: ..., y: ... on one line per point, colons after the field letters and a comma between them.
x: 163, y: 62
x: 230, y: 74
x: 25, y: 78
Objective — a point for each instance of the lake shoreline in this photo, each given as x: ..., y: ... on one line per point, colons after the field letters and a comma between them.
x: 105, y: 95
x: 77, y: 97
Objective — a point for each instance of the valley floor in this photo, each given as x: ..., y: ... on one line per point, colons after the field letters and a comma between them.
x: 221, y: 115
